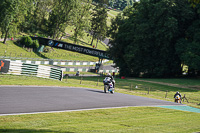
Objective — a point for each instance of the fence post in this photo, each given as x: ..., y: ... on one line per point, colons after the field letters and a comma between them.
x: 81, y: 79
x: 166, y: 94
x: 98, y: 82
x: 66, y: 78
x: 149, y: 90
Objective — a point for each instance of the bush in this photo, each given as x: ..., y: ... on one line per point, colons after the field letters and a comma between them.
x: 35, y: 44
x: 27, y: 41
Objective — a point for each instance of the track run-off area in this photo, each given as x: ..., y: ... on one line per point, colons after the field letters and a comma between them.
x: 16, y: 100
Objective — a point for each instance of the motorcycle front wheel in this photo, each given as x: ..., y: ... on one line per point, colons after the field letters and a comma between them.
x: 105, y: 88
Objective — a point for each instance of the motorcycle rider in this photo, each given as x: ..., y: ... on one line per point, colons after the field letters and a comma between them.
x: 112, y: 79
x: 77, y: 73
x: 177, y: 93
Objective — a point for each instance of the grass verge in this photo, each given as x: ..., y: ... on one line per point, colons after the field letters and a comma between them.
x: 122, y: 120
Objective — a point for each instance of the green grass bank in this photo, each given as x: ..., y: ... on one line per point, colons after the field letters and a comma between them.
x: 122, y: 120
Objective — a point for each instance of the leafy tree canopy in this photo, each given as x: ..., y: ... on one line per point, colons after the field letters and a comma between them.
x: 146, y: 39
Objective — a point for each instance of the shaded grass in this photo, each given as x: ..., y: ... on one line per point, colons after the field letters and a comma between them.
x: 180, y: 81
x: 82, y: 73
x: 123, y: 120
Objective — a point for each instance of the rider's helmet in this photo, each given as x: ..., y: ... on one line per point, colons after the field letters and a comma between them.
x: 177, y: 92
x: 108, y: 74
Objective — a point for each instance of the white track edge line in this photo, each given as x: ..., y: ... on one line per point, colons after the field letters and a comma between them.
x: 83, y: 110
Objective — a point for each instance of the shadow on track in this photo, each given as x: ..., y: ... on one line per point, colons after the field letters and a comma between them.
x: 98, y: 91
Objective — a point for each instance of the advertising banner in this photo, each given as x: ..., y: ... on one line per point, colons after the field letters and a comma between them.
x: 72, y: 47
x: 4, y: 65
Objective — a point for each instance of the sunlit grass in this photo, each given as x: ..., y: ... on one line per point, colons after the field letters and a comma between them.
x: 12, y: 50
x: 123, y: 120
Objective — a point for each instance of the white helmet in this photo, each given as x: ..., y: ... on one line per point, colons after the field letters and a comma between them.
x: 108, y: 74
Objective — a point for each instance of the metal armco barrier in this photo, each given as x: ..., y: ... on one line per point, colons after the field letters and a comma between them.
x: 19, y: 68
x: 51, y: 61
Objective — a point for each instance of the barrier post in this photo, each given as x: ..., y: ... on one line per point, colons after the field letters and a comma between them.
x: 81, y: 79
x: 66, y: 78
x: 149, y: 90
x: 98, y: 82
x: 166, y: 94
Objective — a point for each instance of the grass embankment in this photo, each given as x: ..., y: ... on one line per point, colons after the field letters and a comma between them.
x: 85, y: 40
x: 10, y: 49
x: 123, y: 120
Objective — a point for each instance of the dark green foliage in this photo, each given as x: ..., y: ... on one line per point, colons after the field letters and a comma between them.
x: 188, y: 48
x: 121, y: 4
x: 145, y: 41
x: 35, y: 44
x: 12, y: 14
x: 27, y: 41
x: 59, y: 17
x: 99, y: 26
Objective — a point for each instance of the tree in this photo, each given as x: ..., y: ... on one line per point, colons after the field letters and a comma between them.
x: 146, y: 40
x: 37, y: 16
x: 81, y: 19
x: 194, y: 2
x: 121, y: 4
x: 12, y: 14
x: 99, y: 26
x: 60, y: 16
x: 188, y: 46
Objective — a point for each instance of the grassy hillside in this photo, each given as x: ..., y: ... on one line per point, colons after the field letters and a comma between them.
x: 85, y: 40
x: 111, y: 15
x: 11, y: 49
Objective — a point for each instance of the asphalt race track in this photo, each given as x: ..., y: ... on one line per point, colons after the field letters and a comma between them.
x: 30, y: 99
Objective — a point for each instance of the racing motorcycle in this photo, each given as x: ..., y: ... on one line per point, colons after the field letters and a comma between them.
x: 108, y: 85
x: 177, y: 99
